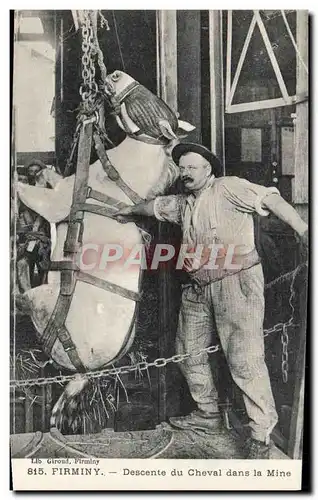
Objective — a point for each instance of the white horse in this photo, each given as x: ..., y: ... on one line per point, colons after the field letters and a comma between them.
x: 100, y: 322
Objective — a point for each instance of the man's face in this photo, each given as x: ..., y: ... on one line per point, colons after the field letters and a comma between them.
x: 194, y: 171
x: 33, y: 170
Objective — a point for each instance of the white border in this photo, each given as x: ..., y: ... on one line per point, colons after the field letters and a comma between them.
x: 4, y: 196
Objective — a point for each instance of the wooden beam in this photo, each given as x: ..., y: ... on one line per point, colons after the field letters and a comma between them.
x: 298, y: 54
x: 31, y: 37
x: 297, y: 413
x: 264, y: 104
x: 216, y: 88
x: 168, y: 90
x: 48, y: 157
x: 272, y: 56
x: 228, y: 57
x: 167, y: 52
x: 300, y: 185
x: 242, y: 58
x: 189, y: 70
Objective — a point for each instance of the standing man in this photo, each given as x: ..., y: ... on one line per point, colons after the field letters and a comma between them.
x: 217, y: 212
x: 33, y: 232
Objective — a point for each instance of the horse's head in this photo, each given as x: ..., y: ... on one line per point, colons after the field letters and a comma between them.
x: 143, y: 115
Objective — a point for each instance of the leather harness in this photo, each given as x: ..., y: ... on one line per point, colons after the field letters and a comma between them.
x: 70, y: 272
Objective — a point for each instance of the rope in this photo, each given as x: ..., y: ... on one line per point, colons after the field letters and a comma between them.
x: 118, y: 42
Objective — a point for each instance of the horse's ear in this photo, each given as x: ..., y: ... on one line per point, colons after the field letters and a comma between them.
x: 184, y: 128
x: 166, y: 130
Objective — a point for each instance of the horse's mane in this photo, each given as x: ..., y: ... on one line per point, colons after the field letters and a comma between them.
x: 167, y: 179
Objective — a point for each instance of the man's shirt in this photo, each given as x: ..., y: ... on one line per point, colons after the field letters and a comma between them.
x: 221, y: 213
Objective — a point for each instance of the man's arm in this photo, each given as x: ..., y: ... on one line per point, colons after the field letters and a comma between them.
x: 284, y: 211
x: 145, y: 208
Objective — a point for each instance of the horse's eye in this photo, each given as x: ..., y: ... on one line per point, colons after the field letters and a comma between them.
x: 116, y: 76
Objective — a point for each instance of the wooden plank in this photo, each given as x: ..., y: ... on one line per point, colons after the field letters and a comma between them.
x: 167, y: 49
x: 264, y: 104
x: 297, y: 413
x: 242, y: 58
x: 31, y: 37
x: 48, y: 157
x: 298, y: 54
x: 168, y: 90
x: 300, y: 184
x: 228, y: 56
x: 216, y: 88
x: 297, y: 416
x: 189, y: 70
x: 272, y: 56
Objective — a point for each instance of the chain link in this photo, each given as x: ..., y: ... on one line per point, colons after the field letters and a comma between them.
x: 177, y: 358
x: 143, y: 365
x: 285, y: 341
x: 88, y: 89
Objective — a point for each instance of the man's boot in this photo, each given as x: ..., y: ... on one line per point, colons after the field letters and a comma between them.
x: 198, y: 419
x: 256, y: 450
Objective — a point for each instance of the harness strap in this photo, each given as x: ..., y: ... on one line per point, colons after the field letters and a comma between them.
x: 96, y: 209
x: 147, y: 139
x: 74, y: 230
x: 70, y: 349
x: 122, y: 95
x: 113, y: 173
x: 70, y: 273
x: 107, y: 285
x: 56, y: 329
x: 63, y: 265
x: 104, y: 198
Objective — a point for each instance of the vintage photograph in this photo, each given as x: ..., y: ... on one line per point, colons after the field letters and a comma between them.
x: 159, y: 242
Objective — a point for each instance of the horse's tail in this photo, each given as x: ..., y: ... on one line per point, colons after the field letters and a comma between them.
x: 67, y: 401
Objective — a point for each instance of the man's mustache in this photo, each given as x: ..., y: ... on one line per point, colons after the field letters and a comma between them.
x: 186, y: 178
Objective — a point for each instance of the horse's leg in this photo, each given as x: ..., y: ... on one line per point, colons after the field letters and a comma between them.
x: 67, y: 399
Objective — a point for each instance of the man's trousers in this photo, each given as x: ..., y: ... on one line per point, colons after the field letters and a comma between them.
x: 234, y: 307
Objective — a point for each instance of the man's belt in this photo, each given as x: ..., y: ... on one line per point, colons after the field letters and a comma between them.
x: 203, y: 276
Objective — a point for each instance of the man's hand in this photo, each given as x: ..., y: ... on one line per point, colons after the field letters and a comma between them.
x: 124, y: 215
x: 145, y: 208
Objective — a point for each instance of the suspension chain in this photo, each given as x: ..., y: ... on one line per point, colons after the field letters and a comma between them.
x: 97, y: 49
x: 88, y: 89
